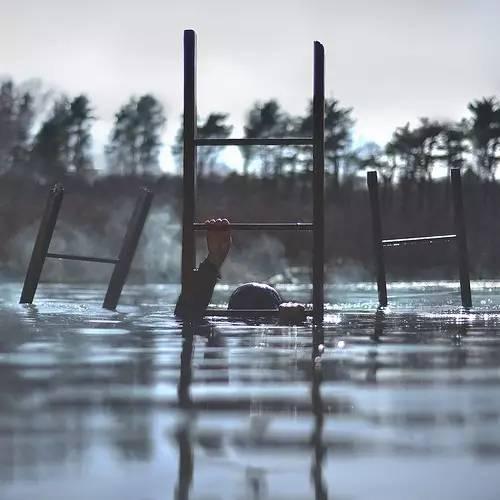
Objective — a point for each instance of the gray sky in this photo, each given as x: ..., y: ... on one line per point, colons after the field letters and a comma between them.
x: 391, y: 60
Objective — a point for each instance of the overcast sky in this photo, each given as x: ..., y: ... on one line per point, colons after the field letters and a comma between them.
x: 391, y: 60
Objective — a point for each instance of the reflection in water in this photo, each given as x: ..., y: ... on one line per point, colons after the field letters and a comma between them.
x: 319, y: 453
x: 183, y: 435
x: 132, y: 405
x: 255, y: 478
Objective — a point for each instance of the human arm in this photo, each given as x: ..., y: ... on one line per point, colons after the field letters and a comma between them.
x: 193, y: 306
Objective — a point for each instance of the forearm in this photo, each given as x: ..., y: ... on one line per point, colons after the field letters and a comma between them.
x: 193, y: 305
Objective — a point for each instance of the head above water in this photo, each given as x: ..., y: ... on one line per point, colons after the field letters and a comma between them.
x: 255, y: 296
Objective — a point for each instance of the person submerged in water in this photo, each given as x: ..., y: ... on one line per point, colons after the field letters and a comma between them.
x: 247, y: 296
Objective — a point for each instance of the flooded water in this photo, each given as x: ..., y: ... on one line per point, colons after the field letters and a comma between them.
x: 400, y: 404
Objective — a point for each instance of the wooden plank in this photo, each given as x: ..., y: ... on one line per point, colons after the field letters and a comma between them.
x: 318, y: 257
x: 251, y: 226
x: 378, y: 243
x: 258, y: 141
x: 419, y: 239
x: 62, y: 256
x: 127, y: 251
x: 189, y: 164
x: 42, y: 243
x: 463, y: 257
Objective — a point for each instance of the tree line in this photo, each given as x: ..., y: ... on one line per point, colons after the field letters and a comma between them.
x: 46, y: 137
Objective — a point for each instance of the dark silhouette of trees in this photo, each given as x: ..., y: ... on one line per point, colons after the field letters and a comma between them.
x: 338, y: 137
x: 266, y: 119
x: 415, y: 151
x: 80, y: 120
x: 427, y: 136
x: 46, y: 142
x: 63, y: 142
x: 135, y: 140
x: 454, y: 145
x: 402, y: 147
x: 214, y: 127
x: 50, y: 153
x: 16, y: 117
x: 485, y: 135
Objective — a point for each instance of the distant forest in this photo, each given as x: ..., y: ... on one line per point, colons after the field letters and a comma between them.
x: 46, y: 138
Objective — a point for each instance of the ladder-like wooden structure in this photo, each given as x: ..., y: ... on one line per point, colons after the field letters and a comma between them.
x: 191, y: 142
x: 122, y: 263
x: 460, y: 238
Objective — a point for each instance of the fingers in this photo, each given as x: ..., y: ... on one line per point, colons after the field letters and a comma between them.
x: 217, y: 222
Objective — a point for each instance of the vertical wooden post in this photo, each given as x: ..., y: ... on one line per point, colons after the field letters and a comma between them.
x: 318, y: 183
x: 189, y: 162
x: 463, y: 257
x: 378, y: 248
x: 42, y: 243
x: 127, y: 251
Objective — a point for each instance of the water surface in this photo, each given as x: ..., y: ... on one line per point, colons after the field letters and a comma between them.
x: 402, y: 403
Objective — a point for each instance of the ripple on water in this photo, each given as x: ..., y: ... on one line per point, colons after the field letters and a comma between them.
x: 92, y: 399
x: 102, y: 331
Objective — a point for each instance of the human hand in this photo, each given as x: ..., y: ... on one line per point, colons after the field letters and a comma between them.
x: 292, y: 313
x: 218, y: 241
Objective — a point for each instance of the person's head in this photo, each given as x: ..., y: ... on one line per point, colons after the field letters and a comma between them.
x: 255, y: 296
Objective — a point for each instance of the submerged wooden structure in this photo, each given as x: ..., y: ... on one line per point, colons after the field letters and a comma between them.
x: 192, y: 142
x: 460, y: 238
x: 121, y: 264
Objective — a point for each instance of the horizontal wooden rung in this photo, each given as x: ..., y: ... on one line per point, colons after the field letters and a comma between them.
x: 79, y: 257
x: 422, y: 239
x: 250, y: 226
x: 248, y: 313
x: 257, y: 141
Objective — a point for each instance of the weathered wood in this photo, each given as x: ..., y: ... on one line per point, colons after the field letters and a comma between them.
x: 463, y: 257
x: 258, y: 141
x: 189, y: 163
x: 318, y: 183
x: 127, y: 251
x: 63, y: 256
x: 42, y: 243
x: 378, y: 246
x: 189, y: 174
x: 420, y: 239
x: 250, y: 226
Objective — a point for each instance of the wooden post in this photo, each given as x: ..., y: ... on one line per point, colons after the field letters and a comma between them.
x: 127, y: 252
x: 42, y: 243
x: 318, y: 183
x: 463, y: 257
x: 189, y: 162
x: 378, y: 248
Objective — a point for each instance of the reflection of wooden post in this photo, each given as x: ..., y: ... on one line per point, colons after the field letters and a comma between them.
x: 42, y: 243
x: 318, y: 183
x: 129, y: 246
x: 317, y: 410
x: 189, y: 163
x: 463, y: 258
x: 378, y: 247
x: 183, y: 435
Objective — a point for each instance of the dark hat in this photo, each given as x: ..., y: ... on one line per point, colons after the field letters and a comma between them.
x: 255, y: 296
